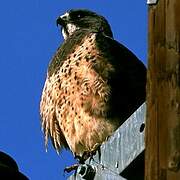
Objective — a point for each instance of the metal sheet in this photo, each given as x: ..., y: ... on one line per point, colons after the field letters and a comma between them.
x: 151, y: 2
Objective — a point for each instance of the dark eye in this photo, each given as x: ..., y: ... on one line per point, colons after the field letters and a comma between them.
x: 79, y: 15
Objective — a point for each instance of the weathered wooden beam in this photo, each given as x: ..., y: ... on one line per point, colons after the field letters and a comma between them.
x: 121, y: 149
x: 163, y: 92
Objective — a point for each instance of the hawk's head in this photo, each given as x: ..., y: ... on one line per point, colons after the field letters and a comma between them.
x: 79, y: 19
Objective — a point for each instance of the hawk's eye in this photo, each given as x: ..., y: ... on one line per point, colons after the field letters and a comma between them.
x: 78, y: 15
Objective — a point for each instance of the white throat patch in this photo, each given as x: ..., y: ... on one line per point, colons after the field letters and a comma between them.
x: 70, y: 28
x: 65, y: 35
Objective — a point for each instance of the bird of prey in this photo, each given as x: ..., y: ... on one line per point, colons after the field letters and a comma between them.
x: 93, y: 84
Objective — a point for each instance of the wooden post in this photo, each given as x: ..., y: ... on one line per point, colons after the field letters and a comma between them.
x: 162, y: 159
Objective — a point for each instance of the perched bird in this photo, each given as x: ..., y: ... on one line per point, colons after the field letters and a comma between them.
x: 93, y: 84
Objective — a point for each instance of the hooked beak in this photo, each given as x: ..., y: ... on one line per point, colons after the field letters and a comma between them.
x: 62, y: 20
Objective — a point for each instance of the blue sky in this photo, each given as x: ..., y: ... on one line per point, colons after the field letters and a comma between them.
x: 28, y: 39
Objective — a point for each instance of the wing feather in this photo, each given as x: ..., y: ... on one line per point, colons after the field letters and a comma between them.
x: 49, y: 122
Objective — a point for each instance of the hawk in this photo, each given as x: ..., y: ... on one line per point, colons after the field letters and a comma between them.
x: 93, y: 84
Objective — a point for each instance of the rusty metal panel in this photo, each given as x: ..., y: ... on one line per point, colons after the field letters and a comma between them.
x: 119, y: 151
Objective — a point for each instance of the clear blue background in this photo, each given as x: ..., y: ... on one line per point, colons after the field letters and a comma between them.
x: 28, y: 40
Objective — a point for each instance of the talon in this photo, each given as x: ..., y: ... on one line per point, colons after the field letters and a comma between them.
x: 80, y: 159
x: 77, y: 157
x: 71, y: 168
x: 86, y: 155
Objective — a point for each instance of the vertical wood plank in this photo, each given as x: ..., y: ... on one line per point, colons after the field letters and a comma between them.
x: 162, y: 159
